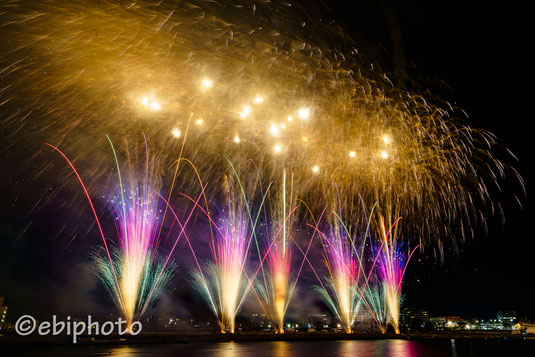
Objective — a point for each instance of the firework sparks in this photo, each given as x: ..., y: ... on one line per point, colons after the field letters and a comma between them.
x: 130, y: 272
x: 393, y: 257
x: 342, y: 291
x: 154, y: 66
x: 277, y: 286
x: 375, y: 297
x: 224, y: 282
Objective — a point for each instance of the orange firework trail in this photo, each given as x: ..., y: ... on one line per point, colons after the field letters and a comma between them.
x: 277, y: 284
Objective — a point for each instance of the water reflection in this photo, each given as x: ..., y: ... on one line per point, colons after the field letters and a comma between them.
x: 282, y: 349
x: 401, y: 348
x: 355, y: 348
x: 122, y: 351
x: 358, y: 348
x: 228, y: 349
x: 453, y: 348
x: 372, y: 348
x: 274, y: 348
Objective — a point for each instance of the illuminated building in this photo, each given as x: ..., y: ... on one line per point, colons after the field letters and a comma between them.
x: 507, y: 319
x: 414, y: 318
x: 364, y: 322
x: 318, y: 321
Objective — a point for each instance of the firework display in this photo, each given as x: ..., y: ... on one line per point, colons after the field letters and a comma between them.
x: 130, y: 272
x: 393, y: 257
x: 342, y: 290
x: 363, y: 279
x: 375, y: 297
x: 276, y: 283
x: 225, y: 282
x: 260, y: 89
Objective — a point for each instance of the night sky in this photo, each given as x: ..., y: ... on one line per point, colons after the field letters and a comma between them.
x: 473, y: 56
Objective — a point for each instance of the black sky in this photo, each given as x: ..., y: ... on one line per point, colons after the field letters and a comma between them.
x: 474, y: 54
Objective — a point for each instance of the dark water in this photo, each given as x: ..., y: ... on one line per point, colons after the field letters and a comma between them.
x: 307, y: 349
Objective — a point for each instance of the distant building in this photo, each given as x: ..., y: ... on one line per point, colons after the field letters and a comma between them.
x: 364, y: 322
x: 438, y: 322
x: 525, y: 327
x: 258, y: 322
x: 3, y: 312
x: 414, y: 319
x: 507, y: 319
x: 492, y: 324
x: 318, y: 321
x: 454, y: 322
